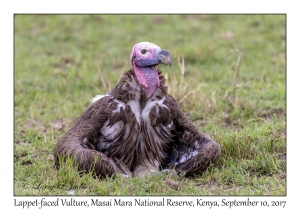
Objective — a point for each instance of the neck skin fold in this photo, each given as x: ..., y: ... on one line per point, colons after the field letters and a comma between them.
x: 148, y: 78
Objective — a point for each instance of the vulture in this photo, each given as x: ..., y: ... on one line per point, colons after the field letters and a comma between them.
x: 137, y: 128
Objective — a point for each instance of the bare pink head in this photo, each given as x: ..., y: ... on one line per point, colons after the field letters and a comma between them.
x: 144, y: 57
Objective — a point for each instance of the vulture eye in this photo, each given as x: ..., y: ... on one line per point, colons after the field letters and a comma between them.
x: 143, y: 51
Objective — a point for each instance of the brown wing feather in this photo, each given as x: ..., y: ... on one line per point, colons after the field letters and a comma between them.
x: 192, y: 151
x: 87, y: 126
x: 184, y: 129
x: 188, y: 139
x: 126, y: 139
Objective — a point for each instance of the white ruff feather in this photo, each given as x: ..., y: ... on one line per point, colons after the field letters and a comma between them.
x: 97, y: 97
x: 149, y: 105
x: 136, y: 109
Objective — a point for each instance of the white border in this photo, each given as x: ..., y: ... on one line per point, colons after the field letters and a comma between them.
x: 8, y: 8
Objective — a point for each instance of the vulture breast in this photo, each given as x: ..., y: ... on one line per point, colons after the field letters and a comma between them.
x: 134, y: 133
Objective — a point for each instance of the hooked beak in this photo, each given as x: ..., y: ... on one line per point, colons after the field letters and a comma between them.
x: 164, y: 57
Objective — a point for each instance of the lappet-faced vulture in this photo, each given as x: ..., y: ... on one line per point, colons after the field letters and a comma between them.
x: 137, y: 128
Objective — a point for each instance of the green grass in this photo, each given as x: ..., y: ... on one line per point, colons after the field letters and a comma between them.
x: 233, y: 89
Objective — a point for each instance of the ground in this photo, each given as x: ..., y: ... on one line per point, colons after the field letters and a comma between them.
x: 228, y: 74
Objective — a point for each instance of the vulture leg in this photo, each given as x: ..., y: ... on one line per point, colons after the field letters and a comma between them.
x: 198, y: 160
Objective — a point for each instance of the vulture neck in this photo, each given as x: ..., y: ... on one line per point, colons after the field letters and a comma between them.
x: 148, y: 78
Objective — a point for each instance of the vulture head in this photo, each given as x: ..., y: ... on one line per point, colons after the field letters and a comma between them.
x: 144, y: 57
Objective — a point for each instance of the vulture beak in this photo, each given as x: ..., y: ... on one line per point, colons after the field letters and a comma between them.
x: 164, y: 57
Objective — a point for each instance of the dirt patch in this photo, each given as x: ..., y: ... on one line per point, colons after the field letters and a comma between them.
x: 227, y: 35
x: 22, y: 143
x: 64, y: 63
x: 58, y: 124
x: 18, y: 156
x: 61, y: 124
x: 26, y: 162
x: 281, y: 175
x: 201, y: 122
x: 172, y: 184
x: 229, y: 122
x: 235, y: 188
x: 282, y: 156
x: 33, y: 123
x: 210, y: 185
x: 157, y: 19
x: 268, y: 115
